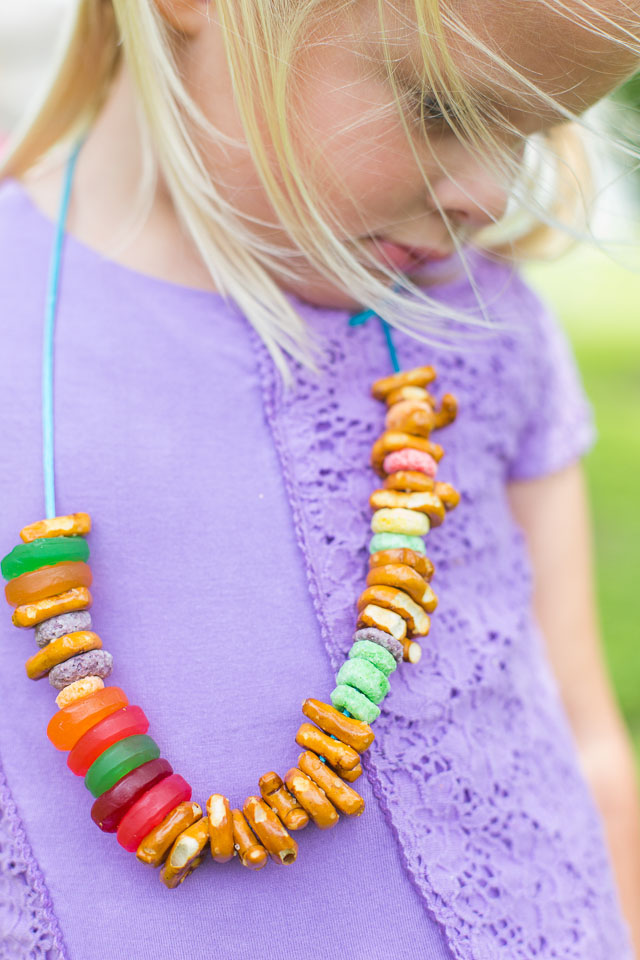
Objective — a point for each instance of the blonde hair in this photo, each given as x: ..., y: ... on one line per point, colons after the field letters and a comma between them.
x: 261, y: 40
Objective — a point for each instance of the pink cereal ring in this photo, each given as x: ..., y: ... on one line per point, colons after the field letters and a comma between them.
x: 409, y: 459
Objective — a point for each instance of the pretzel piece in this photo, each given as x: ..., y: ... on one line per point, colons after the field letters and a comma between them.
x: 274, y: 792
x: 410, y: 480
x: 403, y: 555
x: 338, y: 754
x: 220, y: 828
x: 344, y: 798
x: 411, y: 416
x: 72, y: 525
x: 410, y: 393
x: 447, y: 413
x: 392, y: 440
x: 252, y: 854
x: 353, y: 732
x: 281, y: 847
x: 412, y: 651
x: 155, y: 846
x: 313, y: 799
x: 449, y: 496
x: 398, y: 602
x: 59, y: 650
x: 425, y: 502
x: 407, y: 579
x: 186, y: 853
x: 374, y: 615
x: 351, y: 775
x: 418, y: 377
x: 29, y: 614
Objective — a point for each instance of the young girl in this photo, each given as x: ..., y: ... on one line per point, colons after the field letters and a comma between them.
x: 250, y: 176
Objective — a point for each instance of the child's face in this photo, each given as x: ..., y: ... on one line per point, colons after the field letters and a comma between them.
x: 375, y: 187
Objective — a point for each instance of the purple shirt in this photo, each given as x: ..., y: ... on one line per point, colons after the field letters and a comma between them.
x: 229, y: 545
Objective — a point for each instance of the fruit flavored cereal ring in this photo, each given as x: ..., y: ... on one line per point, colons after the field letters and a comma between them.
x: 71, y: 525
x: 252, y: 854
x: 399, y: 602
x: 150, y: 809
x: 412, y: 651
x: 30, y: 614
x: 313, y: 799
x: 155, y: 846
x: 55, y: 627
x: 448, y: 494
x: 79, y: 689
x: 111, y: 806
x: 353, y: 732
x: 281, y: 847
x: 410, y: 558
x: 408, y: 460
x: 393, y: 541
x: 59, y: 650
x: 344, y: 798
x: 348, y: 698
x: 94, y: 663
x: 399, y: 520
x: 220, y: 828
x: 336, y: 753
x: 418, y: 377
x: 375, y: 654
x: 403, y: 578
x: 125, y: 722
x: 426, y: 502
x: 411, y: 416
x: 393, y: 441
x: 186, y: 854
x: 382, y: 638
x: 119, y: 759
x: 274, y: 792
x: 410, y: 480
x: 379, y: 617
x: 67, y: 725
x: 351, y: 775
x: 47, y: 582
x: 366, y: 678
x: 26, y: 557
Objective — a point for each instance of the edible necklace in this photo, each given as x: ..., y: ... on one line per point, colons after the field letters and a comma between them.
x: 137, y: 794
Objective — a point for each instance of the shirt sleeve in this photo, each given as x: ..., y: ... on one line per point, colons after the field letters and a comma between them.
x: 558, y: 426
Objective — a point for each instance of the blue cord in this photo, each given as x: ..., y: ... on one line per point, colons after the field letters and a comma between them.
x: 359, y: 318
x: 47, y: 352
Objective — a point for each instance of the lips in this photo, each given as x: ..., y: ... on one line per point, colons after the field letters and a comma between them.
x: 403, y: 257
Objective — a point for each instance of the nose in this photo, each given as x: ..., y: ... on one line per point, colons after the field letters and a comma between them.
x: 473, y: 196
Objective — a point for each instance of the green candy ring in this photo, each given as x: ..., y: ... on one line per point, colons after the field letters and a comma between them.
x: 119, y: 759
x: 43, y: 552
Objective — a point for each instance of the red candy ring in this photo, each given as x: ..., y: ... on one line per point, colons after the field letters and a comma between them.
x: 150, y: 809
x: 111, y: 806
x: 123, y: 723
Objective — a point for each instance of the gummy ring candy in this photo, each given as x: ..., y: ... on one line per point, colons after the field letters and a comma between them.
x: 67, y: 725
x: 47, y: 582
x: 119, y: 759
x: 109, y: 809
x: 150, y: 809
x: 116, y: 726
x: 43, y: 552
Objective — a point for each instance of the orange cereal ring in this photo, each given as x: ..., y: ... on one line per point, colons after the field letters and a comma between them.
x: 220, y: 828
x: 428, y: 503
x: 336, y: 753
x: 399, y: 602
x: 281, y: 802
x: 418, y: 377
x: 392, y: 440
x: 353, y: 732
x: 252, y: 854
x: 344, y: 798
x: 47, y: 582
x: 313, y: 799
x: 373, y: 615
x: 30, y: 614
x: 154, y: 847
x: 282, y: 848
x: 72, y: 525
x: 404, y: 555
x: 409, y: 480
x: 186, y: 853
x: 60, y: 649
x: 404, y: 578
x: 67, y: 725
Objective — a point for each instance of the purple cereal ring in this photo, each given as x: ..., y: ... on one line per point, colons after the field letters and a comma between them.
x: 93, y: 663
x: 55, y: 627
x: 410, y: 459
x: 385, y: 640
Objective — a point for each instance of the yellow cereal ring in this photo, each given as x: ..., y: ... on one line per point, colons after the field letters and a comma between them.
x: 79, y: 689
x: 73, y: 525
x: 400, y: 520
x: 30, y: 614
x: 60, y: 649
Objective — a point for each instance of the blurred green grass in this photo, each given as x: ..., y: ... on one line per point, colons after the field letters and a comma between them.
x: 598, y: 301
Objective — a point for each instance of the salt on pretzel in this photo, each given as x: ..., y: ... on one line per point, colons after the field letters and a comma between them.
x: 392, y: 440
x: 343, y: 797
x: 355, y: 733
x: 186, y: 854
x: 313, y: 799
x: 428, y: 503
x: 252, y: 854
x: 154, y: 847
x: 404, y: 578
x: 281, y: 847
x: 403, y: 555
x: 338, y: 754
x: 374, y: 615
x: 418, y: 377
x: 274, y: 792
x: 398, y: 602
x: 30, y: 614
x: 220, y: 828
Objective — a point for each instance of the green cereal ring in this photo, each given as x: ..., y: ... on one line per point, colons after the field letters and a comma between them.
x: 43, y: 552
x: 375, y: 654
x: 350, y: 699
x: 392, y: 541
x: 117, y: 760
x: 366, y: 678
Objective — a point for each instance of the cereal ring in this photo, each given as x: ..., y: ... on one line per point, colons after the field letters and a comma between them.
x: 118, y: 759
x: 408, y: 460
x: 426, y: 502
x: 116, y: 726
x: 404, y: 578
x: 392, y: 441
x: 336, y: 753
x: 55, y: 627
x: 72, y: 525
x: 374, y: 615
x: 418, y: 377
x: 375, y: 654
x: 356, y: 734
x: 348, y: 698
x: 47, y: 582
x: 395, y: 541
x: 67, y: 725
x: 111, y: 806
x: 60, y: 649
x: 410, y: 558
x: 382, y: 638
x: 150, y: 809
x: 399, y: 520
x: 412, y: 651
x: 411, y: 480
x: 185, y: 854
x: 83, y: 687
x: 252, y: 854
x: 220, y: 828
x: 94, y: 663
x: 344, y: 798
x: 399, y: 602
x: 27, y: 557
x: 274, y: 792
x: 29, y: 614
x: 366, y: 678
x: 281, y: 847
x: 312, y: 798
x: 411, y: 416
x: 155, y: 846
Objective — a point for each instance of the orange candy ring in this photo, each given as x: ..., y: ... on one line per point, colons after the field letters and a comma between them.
x: 67, y: 725
x: 47, y: 582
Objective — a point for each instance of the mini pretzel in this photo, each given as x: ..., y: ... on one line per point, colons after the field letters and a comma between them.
x: 399, y: 602
x: 252, y: 854
x: 282, y: 848
x: 338, y: 754
x: 412, y: 651
x: 418, y: 377
x: 410, y: 393
x: 407, y: 579
x: 422, y: 564
x: 47, y: 581
x: 313, y: 799
x: 427, y: 503
x: 281, y: 802
x: 373, y: 615
x: 186, y: 853
x: 411, y: 480
x: 60, y: 649
x: 29, y: 614
x: 447, y: 413
x: 449, y: 496
x: 353, y: 732
x: 411, y: 416
x: 154, y: 847
x: 341, y: 796
x: 72, y: 525
x: 220, y: 828
x: 392, y: 440
x: 351, y: 775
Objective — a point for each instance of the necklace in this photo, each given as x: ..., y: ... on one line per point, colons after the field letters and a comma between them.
x: 137, y: 794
